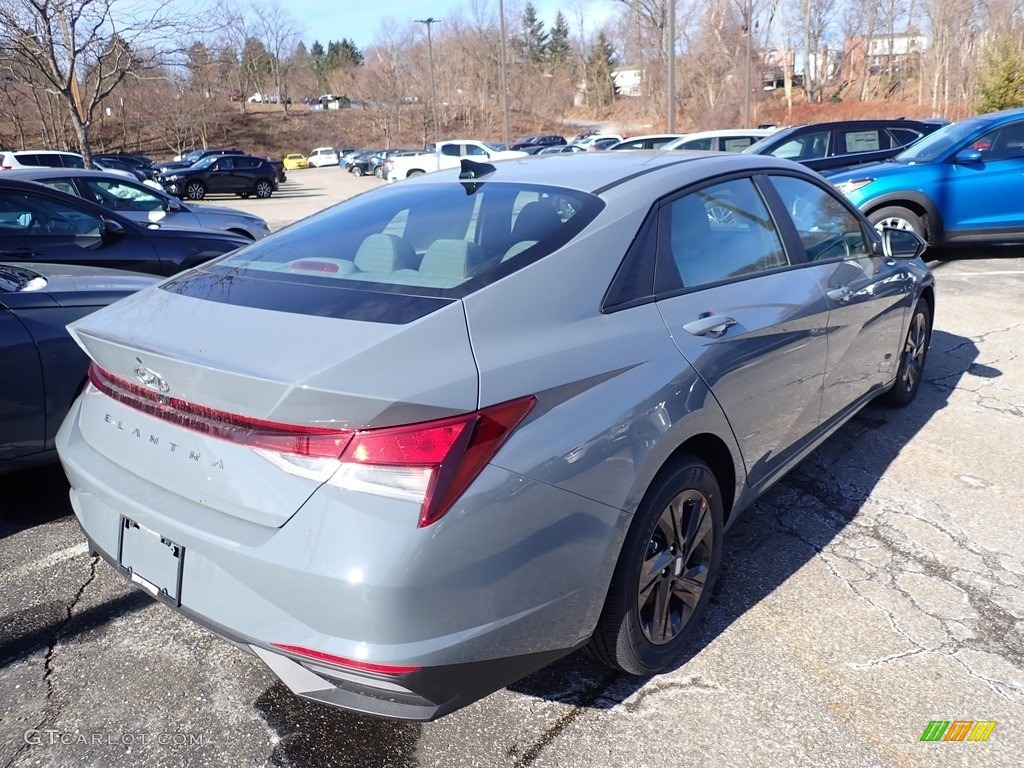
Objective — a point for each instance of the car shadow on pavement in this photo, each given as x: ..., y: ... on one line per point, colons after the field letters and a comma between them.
x: 313, y: 735
x: 788, y: 527
x: 33, y: 497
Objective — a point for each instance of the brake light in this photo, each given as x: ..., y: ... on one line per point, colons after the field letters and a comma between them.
x: 433, y: 462
x: 341, y: 661
x: 313, y: 442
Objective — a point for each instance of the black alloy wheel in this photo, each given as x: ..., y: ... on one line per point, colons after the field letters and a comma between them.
x: 665, y: 573
x: 912, y: 358
x: 195, y: 190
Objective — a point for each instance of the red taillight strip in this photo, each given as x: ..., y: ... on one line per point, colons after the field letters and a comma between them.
x: 283, y: 438
x: 457, y: 449
x: 340, y: 661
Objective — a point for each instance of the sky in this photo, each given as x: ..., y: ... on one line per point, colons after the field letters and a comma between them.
x: 360, y: 22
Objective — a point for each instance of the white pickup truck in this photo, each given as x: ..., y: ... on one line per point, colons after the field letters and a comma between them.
x: 446, y: 154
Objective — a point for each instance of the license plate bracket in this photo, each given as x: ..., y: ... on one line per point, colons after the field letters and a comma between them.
x: 153, y: 562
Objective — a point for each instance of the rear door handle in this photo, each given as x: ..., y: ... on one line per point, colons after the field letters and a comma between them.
x: 713, y: 325
x: 842, y: 295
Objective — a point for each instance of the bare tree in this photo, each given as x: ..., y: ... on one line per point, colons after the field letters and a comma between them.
x: 279, y: 33
x: 83, y: 49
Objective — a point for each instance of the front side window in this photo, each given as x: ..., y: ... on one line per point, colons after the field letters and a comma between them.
x: 827, y: 228
x: 123, y: 196
x: 696, y: 144
x: 719, y: 233
x: 23, y: 213
x: 809, y: 146
x: 1003, y: 143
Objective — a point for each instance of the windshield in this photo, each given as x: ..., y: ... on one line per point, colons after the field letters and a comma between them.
x: 14, y: 279
x: 191, y: 157
x: 933, y: 146
x: 440, y: 240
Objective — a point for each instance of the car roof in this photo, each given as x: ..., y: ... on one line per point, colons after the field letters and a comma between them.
x: 595, y: 172
x: 47, y: 172
x: 727, y: 132
x: 39, y: 152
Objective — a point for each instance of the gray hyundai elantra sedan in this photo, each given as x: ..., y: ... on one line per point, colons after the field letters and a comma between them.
x: 425, y: 442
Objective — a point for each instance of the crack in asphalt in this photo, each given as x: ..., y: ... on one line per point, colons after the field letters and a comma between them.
x: 51, y: 711
x: 581, y: 703
x: 991, y: 626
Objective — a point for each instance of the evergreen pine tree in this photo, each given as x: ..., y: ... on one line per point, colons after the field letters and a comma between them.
x: 1002, y: 78
x: 559, y: 51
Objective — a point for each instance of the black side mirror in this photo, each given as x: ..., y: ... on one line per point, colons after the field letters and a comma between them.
x: 173, y: 206
x: 112, y: 230
x: 902, y: 243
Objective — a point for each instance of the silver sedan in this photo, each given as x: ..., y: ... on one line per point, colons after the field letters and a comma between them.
x: 509, y: 414
x: 142, y: 203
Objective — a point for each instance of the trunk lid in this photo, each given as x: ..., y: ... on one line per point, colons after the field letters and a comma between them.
x: 284, y: 367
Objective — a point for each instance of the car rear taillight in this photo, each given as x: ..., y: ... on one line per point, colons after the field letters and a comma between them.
x: 391, y: 670
x: 312, y: 442
x: 431, y: 463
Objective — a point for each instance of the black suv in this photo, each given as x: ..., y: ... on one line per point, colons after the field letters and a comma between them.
x: 836, y: 146
x: 234, y: 174
x: 194, y: 157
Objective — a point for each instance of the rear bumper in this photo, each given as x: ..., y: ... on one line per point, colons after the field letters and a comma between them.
x: 425, y: 695
x: 511, y: 579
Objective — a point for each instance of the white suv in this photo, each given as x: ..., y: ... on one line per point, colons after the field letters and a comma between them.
x: 323, y: 156
x: 33, y: 158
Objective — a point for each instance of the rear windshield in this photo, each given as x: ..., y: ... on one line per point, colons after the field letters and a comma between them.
x: 438, y: 240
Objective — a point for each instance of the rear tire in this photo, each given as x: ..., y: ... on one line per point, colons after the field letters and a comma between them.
x: 912, y: 358
x: 415, y: 172
x: 357, y: 171
x: 665, y: 573
x: 195, y: 190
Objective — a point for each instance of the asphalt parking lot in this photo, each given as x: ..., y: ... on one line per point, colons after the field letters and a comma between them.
x: 876, y: 589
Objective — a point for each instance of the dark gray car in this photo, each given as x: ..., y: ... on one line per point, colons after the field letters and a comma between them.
x: 144, y: 204
x: 42, y: 369
x: 508, y: 415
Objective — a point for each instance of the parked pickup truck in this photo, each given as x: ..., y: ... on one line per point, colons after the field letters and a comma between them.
x: 446, y: 154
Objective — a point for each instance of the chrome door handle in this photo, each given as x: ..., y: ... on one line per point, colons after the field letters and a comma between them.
x: 713, y: 325
x: 842, y: 295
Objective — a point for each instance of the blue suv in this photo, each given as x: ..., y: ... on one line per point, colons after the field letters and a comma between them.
x: 963, y: 184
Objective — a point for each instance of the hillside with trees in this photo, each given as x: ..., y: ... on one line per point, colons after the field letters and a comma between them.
x: 94, y: 75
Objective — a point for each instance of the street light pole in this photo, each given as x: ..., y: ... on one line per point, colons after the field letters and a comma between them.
x: 747, y: 13
x: 672, y: 66
x: 504, y: 78
x: 430, y: 53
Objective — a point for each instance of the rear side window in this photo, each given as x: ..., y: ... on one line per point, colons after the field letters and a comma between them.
x: 70, y: 161
x: 862, y: 140
x: 737, y: 143
x: 27, y: 159
x: 50, y: 161
x: 443, y: 240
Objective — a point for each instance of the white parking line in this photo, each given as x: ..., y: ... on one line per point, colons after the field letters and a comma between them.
x: 52, y: 559
x: 981, y: 274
